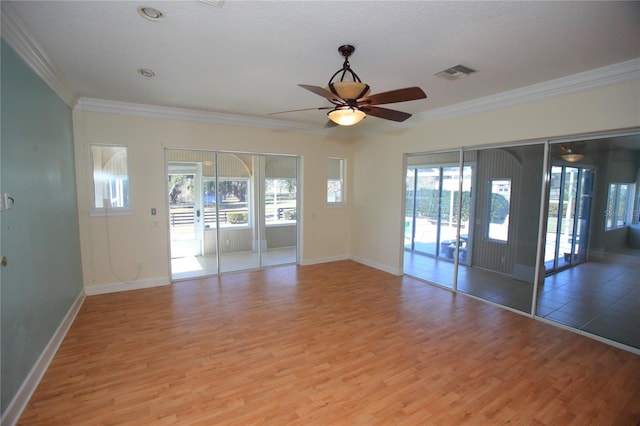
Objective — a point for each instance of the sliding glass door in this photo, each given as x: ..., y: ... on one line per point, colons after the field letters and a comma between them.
x: 235, y: 211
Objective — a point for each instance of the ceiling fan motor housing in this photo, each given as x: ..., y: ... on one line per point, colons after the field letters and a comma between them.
x: 349, y: 90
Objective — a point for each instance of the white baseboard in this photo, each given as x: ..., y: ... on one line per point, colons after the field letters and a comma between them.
x: 323, y: 260
x: 384, y: 268
x: 92, y: 290
x: 19, y: 402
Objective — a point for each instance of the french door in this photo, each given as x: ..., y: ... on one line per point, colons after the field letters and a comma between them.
x: 568, y: 218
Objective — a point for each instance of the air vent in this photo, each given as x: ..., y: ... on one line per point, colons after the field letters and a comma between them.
x: 455, y: 73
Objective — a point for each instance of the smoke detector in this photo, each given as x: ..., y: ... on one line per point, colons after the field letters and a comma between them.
x: 455, y: 73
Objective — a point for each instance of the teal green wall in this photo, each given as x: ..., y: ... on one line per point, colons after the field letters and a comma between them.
x: 39, y: 235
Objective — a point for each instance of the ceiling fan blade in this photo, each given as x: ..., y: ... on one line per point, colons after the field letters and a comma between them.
x: 387, y: 114
x: 399, y: 95
x: 303, y: 109
x: 322, y: 92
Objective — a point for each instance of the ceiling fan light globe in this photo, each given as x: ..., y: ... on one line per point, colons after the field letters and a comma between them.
x: 346, y: 116
x: 350, y: 89
x: 572, y: 157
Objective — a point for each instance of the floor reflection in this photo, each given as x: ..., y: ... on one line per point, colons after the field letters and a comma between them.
x: 599, y: 297
x: 202, y: 266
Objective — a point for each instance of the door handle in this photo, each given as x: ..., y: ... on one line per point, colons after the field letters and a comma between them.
x: 198, y: 213
x: 4, y: 262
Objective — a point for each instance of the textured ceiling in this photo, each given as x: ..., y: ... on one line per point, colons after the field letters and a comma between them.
x: 247, y: 57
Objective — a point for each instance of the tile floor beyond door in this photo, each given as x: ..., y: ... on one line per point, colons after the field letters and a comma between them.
x: 601, y: 298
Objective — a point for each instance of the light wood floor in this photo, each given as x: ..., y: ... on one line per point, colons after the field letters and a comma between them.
x: 336, y: 343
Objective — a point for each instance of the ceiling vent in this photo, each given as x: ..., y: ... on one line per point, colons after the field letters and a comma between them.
x: 217, y: 3
x: 455, y: 73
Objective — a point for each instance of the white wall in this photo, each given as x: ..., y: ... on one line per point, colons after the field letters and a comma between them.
x: 369, y: 229
x: 378, y: 200
x: 326, y: 231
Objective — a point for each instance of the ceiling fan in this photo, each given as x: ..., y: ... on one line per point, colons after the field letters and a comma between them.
x: 351, y: 100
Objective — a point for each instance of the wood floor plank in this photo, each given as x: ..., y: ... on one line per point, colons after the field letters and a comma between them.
x: 337, y: 343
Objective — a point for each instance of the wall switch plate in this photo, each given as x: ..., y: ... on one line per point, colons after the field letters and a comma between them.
x: 6, y: 202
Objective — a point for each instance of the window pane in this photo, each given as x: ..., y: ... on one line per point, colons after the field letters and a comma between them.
x: 280, y: 200
x: 233, y: 196
x: 110, y: 176
x: 209, y: 202
x: 500, y: 193
x: 611, y: 206
x: 621, y: 210
x: 335, y: 182
x: 618, y: 202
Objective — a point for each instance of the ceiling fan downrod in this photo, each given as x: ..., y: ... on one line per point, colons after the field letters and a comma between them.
x: 347, y: 50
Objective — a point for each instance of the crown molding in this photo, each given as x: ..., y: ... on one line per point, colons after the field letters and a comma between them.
x: 185, y: 114
x: 18, y: 37
x: 612, y: 74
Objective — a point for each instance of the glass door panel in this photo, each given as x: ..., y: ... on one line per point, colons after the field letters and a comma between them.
x: 410, y: 209
x: 427, y: 202
x: 501, y: 224
x: 448, y: 214
x: 592, y: 267
x: 185, y: 211
x: 466, y: 213
x: 431, y: 217
x: 239, y: 239
x: 280, y: 206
